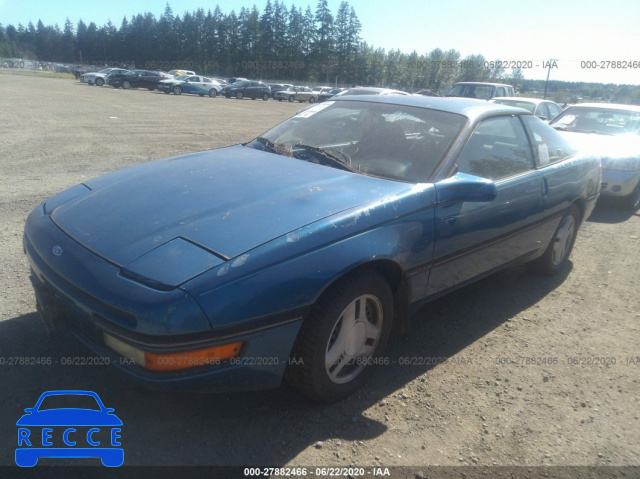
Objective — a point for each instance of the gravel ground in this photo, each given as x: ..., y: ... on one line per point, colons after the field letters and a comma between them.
x: 515, y: 370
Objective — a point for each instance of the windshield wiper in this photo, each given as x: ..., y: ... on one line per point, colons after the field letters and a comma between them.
x: 268, y: 143
x: 340, y: 162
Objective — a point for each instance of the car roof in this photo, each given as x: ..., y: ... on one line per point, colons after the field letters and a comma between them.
x: 521, y: 98
x: 481, y: 83
x: 610, y: 106
x: 471, y: 108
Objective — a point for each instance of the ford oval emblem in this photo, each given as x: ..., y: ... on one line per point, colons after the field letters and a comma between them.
x: 57, y: 250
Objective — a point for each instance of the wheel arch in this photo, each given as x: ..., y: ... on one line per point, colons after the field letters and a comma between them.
x: 580, y: 203
x: 398, y: 282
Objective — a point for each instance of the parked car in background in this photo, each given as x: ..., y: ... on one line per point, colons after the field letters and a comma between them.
x: 369, y: 90
x: 98, y: 78
x: 481, y: 90
x: 544, y: 109
x: 297, y: 93
x: 177, y: 73
x: 294, y: 253
x: 613, y: 132
x: 321, y: 89
x: 222, y: 82
x: 196, y: 84
x: 324, y: 96
x: 236, y: 79
x: 136, y: 79
x: 276, y: 87
x: 426, y: 92
x: 247, y: 88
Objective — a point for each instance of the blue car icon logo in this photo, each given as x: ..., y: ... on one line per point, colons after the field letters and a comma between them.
x: 69, y: 424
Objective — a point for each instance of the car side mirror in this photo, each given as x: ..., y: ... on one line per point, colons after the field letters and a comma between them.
x: 462, y: 187
x: 542, y: 117
x: 29, y: 410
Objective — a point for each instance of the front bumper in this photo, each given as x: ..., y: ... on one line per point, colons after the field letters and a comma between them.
x: 79, y: 291
x: 619, y: 183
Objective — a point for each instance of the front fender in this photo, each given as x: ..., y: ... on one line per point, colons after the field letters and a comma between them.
x: 292, y: 271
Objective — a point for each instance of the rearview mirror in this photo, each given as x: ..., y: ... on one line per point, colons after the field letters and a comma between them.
x: 462, y: 187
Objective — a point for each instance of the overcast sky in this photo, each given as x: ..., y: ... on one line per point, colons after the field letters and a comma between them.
x: 570, y: 31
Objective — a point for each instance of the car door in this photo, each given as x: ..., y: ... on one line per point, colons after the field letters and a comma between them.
x: 192, y: 84
x: 562, y: 181
x: 473, y: 239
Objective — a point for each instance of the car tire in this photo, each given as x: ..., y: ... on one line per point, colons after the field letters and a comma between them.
x: 347, y: 328
x: 177, y: 90
x: 213, y: 93
x: 291, y: 99
x: 167, y: 91
x: 239, y: 95
x: 279, y: 98
x: 126, y: 85
x: 99, y: 82
x: 151, y: 88
x: 555, y: 257
x: 632, y: 201
x: 253, y: 97
x: 312, y: 99
x: 265, y: 97
x: 201, y: 95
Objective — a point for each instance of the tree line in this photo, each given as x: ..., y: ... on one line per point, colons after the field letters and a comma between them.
x: 293, y: 43
x: 280, y: 42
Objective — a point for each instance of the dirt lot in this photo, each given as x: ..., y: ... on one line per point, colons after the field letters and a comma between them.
x: 540, y: 371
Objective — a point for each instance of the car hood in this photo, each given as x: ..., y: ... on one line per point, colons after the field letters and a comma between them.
x: 606, y: 146
x: 226, y: 201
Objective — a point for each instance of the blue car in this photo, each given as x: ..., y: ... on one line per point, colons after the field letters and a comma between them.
x: 80, y: 429
x: 293, y: 255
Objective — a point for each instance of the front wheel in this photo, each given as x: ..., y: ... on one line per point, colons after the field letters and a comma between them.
x: 167, y: 91
x: 239, y: 95
x: 213, y: 93
x: 265, y: 97
x: 99, y: 81
x: 343, y: 337
x: 558, y: 251
x: 312, y: 99
x: 291, y: 98
x: 126, y: 85
x: 177, y: 90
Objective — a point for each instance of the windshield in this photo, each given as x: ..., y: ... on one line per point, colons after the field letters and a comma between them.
x: 471, y: 91
x: 390, y: 141
x: 603, y: 121
x: 65, y: 401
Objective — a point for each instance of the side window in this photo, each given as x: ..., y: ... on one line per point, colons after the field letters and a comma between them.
x: 500, y: 91
x: 498, y: 148
x: 548, y: 145
x: 541, y: 110
x: 554, y: 110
